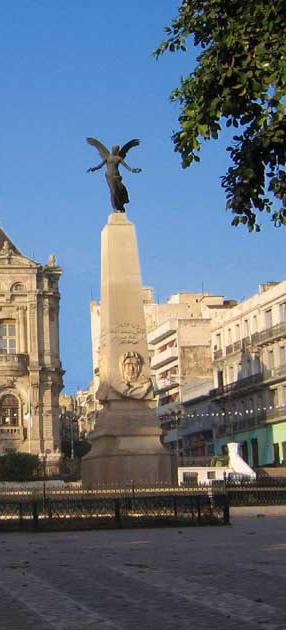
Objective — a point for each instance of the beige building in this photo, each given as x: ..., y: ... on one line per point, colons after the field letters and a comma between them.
x: 219, y: 369
x: 179, y: 343
x: 86, y: 407
x: 245, y: 400
x: 81, y: 407
x: 30, y: 367
x: 179, y: 339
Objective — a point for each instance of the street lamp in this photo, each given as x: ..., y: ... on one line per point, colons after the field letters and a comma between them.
x: 46, y: 452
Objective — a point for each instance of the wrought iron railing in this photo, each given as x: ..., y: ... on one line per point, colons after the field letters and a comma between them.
x: 70, y: 512
x: 262, y: 491
x: 248, y: 381
x: 239, y: 384
x: 259, y: 338
x: 271, y: 333
x: 234, y: 423
x: 217, y: 354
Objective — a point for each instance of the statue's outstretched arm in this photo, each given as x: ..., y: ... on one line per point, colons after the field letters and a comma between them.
x: 96, y: 168
x: 132, y: 170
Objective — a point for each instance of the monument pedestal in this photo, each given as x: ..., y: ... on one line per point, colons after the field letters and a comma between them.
x: 126, y: 442
x: 126, y: 447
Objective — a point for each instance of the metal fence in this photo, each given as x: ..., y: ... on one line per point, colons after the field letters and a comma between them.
x: 91, y: 511
x: 133, y: 506
x: 262, y: 491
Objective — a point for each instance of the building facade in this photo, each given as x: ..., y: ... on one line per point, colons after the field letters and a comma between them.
x: 245, y: 400
x: 219, y: 371
x: 179, y: 343
x: 249, y: 366
x: 30, y: 367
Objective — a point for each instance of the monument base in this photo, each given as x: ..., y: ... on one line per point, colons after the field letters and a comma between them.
x: 126, y: 448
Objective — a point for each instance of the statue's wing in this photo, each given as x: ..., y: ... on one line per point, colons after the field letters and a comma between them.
x: 100, y: 147
x: 124, y: 150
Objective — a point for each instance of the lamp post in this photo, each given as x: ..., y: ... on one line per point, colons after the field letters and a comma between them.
x: 72, y: 436
x: 46, y: 452
x: 176, y: 416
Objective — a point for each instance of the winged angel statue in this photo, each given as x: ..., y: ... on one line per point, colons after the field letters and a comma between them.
x: 113, y: 159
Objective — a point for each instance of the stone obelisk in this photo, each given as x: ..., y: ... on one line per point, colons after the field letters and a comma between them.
x: 126, y: 442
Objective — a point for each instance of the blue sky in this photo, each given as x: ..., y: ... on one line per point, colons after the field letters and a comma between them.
x: 77, y: 68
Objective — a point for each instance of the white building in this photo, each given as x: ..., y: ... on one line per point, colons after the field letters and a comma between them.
x: 249, y: 364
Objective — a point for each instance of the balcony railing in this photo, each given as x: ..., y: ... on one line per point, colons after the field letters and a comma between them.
x: 249, y: 381
x: 239, y: 384
x: 161, y: 332
x: 161, y: 358
x: 271, y: 334
x: 11, y: 432
x: 251, y: 420
x: 257, y: 339
x: 13, y: 363
x: 163, y: 384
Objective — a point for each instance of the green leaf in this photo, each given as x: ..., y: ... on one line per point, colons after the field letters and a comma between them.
x: 240, y: 76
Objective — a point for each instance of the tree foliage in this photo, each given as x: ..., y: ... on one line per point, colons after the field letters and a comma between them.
x: 18, y: 466
x: 239, y: 80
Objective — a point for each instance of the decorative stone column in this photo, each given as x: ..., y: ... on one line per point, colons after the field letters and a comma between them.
x: 22, y: 335
x: 126, y: 442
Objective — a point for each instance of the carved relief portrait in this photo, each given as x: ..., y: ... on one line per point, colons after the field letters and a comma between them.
x: 131, y: 366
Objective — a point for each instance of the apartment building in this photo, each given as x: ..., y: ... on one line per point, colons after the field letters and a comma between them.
x: 179, y: 341
x: 249, y: 371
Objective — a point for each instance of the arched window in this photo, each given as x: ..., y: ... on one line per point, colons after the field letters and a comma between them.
x: 7, y: 336
x: 9, y: 410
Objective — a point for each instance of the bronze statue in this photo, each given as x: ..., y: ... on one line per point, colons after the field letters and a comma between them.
x: 119, y: 194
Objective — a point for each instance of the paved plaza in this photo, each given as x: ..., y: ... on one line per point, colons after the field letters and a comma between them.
x: 171, y: 578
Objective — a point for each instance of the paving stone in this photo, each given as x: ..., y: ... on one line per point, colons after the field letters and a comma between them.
x: 189, y: 578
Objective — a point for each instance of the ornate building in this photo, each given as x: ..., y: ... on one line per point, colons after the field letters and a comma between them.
x: 30, y: 367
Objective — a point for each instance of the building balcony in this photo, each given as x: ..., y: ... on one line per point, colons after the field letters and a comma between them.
x: 242, y: 383
x: 164, y: 384
x: 242, y: 345
x: 11, y: 433
x: 274, y: 373
x: 237, y: 346
x: 249, y: 381
x: 257, y: 339
x: 161, y: 358
x: 270, y: 334
x: 13, y: 364
x: 248, y: 421
x: 161, y: 332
